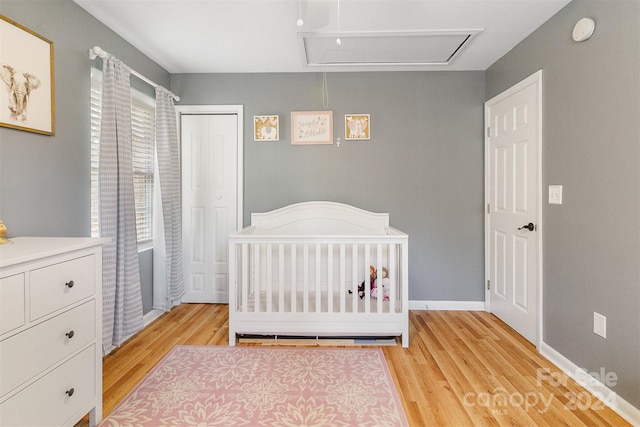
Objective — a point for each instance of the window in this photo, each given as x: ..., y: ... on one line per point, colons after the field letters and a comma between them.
x: 142, y: 140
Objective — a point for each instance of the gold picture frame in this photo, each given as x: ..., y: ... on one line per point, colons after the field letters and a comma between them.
x: 311, y: 127
x: 357, y: 127
x: 27, y: 86
x: 266, y: 128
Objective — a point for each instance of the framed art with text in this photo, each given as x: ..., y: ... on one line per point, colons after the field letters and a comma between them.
x: 311, y: 127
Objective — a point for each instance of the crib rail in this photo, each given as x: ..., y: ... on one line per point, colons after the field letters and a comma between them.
x: 298, y: 280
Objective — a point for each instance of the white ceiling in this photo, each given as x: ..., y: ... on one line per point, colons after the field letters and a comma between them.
x: 238, y: 36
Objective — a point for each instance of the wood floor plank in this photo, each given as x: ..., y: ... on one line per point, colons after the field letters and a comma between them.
x: 462, y: 368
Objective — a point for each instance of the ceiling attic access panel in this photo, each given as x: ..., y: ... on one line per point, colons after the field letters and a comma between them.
x: 404, y: 48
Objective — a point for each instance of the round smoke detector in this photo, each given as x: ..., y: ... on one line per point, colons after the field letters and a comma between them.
x: 584, y: 29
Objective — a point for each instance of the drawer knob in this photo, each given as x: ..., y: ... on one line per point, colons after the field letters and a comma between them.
x: 70, y: 334
x: 70, y: 392
x: 69, y: 284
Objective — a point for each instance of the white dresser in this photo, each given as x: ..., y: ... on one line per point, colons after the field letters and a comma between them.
x: 50, y: 331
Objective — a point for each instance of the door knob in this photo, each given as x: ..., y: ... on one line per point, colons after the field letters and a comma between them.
x: 529, y: 227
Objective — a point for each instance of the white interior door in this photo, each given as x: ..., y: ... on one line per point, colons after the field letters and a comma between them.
x: 513, y: 157
x: 210, y: 202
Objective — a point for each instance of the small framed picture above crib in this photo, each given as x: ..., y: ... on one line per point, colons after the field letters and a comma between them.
x: 311, y: 127
x: 357, y: 127
x: 266, y: 128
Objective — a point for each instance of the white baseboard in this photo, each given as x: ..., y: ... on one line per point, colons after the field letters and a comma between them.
x: 625, y: 409
x: 447, y: 305
x: 151, y: 316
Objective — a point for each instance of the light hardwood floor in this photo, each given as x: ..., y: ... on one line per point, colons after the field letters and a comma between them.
x: 461, y: 369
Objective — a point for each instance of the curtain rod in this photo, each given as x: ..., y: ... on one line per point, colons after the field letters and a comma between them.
x: 98, y: 51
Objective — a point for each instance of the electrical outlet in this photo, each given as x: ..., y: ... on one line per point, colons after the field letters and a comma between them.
x: 555, y: 194
x: 599, y: 324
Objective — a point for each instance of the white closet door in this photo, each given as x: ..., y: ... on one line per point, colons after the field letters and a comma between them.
x: 210, y: 200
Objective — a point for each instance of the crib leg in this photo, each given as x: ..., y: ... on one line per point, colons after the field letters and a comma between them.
x: 405, y: 340
x: 232, y: 339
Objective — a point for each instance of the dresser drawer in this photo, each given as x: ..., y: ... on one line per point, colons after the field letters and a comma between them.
x: 56, y: 286
x: 11, y: 303
x: 47, y: 402
x: 43, y: 345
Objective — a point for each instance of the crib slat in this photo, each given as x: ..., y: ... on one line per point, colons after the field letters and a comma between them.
x: 393, y: 283
x: 367, y: 280
x: 244, y: 276
x: 256, y: 278
x: 281, y: 277
x: 235, y: 287
x: 380, y: 294
x: 305, y: 266
x: 269, y: 296
x: 354, y: 283
x: 343, y: 273
x: 294, y: 278
x: 330, y: 278
x: 318, y: 307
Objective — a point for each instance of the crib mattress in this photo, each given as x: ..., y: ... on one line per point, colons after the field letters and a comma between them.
x: 313, y: 303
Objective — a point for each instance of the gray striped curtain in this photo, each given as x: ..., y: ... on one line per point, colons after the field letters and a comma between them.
x: 168, y: 285
x: 121, y: 289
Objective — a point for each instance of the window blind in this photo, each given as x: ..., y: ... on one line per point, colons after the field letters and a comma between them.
x: 142, y: 141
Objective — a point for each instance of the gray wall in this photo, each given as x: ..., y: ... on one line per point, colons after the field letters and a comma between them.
x: 591, y: 146
x: 423, y: 164
x: 44, y: 180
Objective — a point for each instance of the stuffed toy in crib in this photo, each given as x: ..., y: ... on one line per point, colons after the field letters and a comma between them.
x: 385, y: 284
x: 372, y: 282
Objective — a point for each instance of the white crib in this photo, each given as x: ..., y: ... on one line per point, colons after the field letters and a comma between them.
x: 291, y: 271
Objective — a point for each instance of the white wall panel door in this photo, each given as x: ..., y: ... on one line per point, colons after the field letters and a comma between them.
x: 210, y: 202
x: 513, y: 195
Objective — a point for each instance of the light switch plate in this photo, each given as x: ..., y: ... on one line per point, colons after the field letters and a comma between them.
x: 555, y: 194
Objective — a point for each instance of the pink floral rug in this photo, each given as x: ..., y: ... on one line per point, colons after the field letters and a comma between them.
x: 251, y: 386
